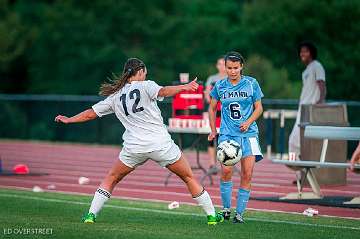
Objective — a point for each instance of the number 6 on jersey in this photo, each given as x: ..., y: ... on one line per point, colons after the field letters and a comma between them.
x: 235, y: 111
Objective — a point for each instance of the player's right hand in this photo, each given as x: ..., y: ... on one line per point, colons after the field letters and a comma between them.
x: 212, y: 136
x: 62, y: 119
x: 192, y: 86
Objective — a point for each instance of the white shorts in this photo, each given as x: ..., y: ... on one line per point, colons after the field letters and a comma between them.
x: 164, y: 157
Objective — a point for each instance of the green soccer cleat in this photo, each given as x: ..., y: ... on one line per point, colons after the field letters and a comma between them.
x: 89, y: 218
x: 213, y: 220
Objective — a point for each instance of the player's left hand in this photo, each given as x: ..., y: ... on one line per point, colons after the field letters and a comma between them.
x: 192, y: 86
x: 244, y: 126
x: 62, y: 119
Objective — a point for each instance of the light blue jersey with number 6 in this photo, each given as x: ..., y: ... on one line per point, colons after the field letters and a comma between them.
x: 237, y: 104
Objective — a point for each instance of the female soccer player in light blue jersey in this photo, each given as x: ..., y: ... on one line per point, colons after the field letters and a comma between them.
x: 240, y: 98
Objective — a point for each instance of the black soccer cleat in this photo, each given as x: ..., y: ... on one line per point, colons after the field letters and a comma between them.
x: 238, y: 219
x: 226, y: 213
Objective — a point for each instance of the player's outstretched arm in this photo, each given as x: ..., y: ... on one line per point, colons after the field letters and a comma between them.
x: 168, y: 91
x: 84, y: 116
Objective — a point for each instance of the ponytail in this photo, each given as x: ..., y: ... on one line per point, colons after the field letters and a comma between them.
x: 131, y: 67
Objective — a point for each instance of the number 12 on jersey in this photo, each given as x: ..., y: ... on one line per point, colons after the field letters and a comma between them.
x: 134, y: 94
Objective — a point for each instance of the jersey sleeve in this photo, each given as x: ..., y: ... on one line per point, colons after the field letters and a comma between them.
x: 319, y: 72
x: 152, y: 89
x: 257, y: 93
x: 104, y: 107
x: 214, y: 93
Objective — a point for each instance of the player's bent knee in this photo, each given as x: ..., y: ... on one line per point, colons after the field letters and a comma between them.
x: 226, y: 171
x: 187, y: 178
x: 226, y: 174
x: 246, y: 177
x: 113, y: 177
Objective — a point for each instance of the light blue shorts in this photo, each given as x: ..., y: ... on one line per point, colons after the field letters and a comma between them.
x: 250, y: 145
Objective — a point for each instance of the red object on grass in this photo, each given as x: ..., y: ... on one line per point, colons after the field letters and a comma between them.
x: 21, y: 169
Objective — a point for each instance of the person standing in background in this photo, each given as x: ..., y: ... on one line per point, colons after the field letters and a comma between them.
x: 313, y: 89
x: 210, y: 82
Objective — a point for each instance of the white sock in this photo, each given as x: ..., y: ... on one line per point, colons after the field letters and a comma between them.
x: 100, y: 197
x: 205, y: 202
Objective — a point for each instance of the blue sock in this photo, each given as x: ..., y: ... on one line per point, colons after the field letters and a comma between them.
x: 242, y: 200
x: 226, y: 191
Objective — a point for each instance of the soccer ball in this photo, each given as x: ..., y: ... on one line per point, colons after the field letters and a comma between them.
x: 229, y: 152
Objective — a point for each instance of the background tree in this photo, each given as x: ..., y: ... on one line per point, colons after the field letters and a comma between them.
x: 70, y: 46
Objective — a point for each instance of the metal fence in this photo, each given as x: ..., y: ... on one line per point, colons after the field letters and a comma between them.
x: 32, y: 117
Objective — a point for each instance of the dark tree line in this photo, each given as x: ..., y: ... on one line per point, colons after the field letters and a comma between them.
x: 71, y: 46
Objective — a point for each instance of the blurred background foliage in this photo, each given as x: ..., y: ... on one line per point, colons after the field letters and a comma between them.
x: 71, y: 46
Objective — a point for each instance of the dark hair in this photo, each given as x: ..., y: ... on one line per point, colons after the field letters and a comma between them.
x: 310, y: 46
x: 131, y: 67
x: 234, y: 56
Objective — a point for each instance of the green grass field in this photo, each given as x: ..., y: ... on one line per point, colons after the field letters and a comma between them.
x: 61, y: 213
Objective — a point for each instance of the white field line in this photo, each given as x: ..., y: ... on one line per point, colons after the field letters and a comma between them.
x: 178, y: 213
x: 165, y: 201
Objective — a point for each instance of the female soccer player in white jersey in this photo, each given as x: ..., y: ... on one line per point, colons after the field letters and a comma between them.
x: 240, y: 98
x: 133, y: 100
